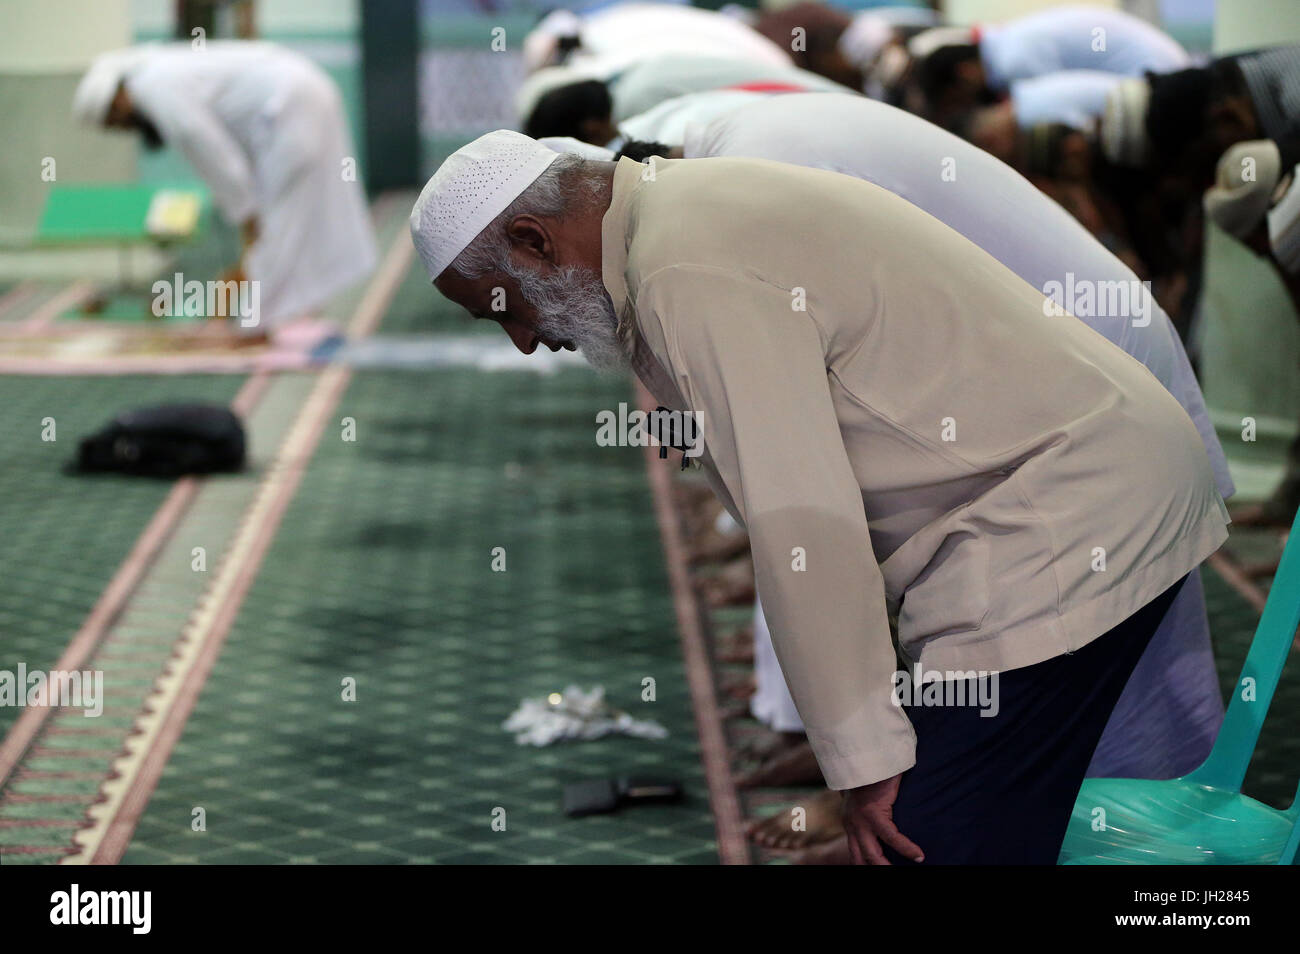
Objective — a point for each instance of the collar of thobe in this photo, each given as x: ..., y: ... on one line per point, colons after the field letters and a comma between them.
x: 614, y: 236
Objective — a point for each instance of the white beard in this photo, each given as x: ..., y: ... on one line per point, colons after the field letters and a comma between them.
x: 574, y: 308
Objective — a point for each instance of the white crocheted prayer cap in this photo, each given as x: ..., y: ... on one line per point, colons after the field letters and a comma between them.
x: 472, y: 187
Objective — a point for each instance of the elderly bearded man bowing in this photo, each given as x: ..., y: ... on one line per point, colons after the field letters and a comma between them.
x: 898, y: 425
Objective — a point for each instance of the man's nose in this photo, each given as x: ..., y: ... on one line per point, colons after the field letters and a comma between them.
x: 525, y: 340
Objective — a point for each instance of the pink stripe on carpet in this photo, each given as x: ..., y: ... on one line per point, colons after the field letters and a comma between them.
x: 114, y: 598
x: 732, y: 846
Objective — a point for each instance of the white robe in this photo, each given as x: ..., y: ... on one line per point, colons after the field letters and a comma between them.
x: 1002, y: 212
x: 1076, y: 38
x: 651, y: 82
x: 625, y: 33
x: 1074, y: 97
x: 667, y: 122
x: 265, y: 129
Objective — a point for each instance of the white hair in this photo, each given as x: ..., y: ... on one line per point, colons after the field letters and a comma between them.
x: 566, y: 186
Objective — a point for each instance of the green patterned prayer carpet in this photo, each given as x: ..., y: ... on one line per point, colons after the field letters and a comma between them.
x: 382, y: 573
x: 381, y: 577
x: 61, y: 536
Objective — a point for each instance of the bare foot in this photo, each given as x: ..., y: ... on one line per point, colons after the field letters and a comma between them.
x: 1262, y: 569
x: 690, y: 494
x: 740, y: 687
x: 697, y: 505
x: 734, y: 710
x: 256, y: 340
x: 766, y: 743
x: 699, y: 521
x: 223, y: 334
x: 835, y: 852
x: 737, y: 647
x: 714, y: 547
x: 789, y: 830
x: 1268, y: 515
x: 732, y: 586
x: 795, y: 765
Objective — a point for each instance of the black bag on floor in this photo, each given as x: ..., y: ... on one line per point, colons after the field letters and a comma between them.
x: 166, y: 441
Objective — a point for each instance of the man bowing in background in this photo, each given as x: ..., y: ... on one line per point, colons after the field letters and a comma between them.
x: 265, y: 129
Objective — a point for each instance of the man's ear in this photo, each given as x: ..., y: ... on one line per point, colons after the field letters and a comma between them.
x: 531, y: 238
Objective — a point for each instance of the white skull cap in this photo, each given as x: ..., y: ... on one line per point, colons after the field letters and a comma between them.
x: 472, y: 187
x: 1247, y: 174
x: 864, y: 38
x: 567, y: 144
x: 936, y: 38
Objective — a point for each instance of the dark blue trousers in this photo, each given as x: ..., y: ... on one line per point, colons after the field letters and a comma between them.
x: 999, y: 790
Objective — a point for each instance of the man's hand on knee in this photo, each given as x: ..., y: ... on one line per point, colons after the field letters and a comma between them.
x: 869, y: 822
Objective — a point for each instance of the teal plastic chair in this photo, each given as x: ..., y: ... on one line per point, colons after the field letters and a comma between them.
x: 1202, y: 818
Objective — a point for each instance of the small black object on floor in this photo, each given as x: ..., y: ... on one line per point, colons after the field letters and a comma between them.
x: 167, y: 441
x: 601, y: 795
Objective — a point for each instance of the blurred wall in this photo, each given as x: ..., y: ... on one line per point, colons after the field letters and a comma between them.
x: 991, y: 11
x: 1241, y: 24
x: 1250, y: 336
x: 157, y: 18
x: 44, y: 48
x: 466, y: 88
x: 298, y: 16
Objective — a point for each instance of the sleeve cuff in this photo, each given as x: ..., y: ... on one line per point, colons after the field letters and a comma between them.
x: 889, y: 756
